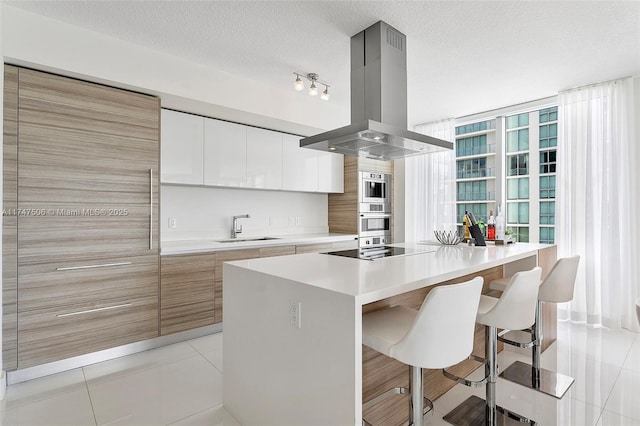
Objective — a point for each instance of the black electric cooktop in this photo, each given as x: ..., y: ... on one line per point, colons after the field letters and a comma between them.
x: 372, y: 253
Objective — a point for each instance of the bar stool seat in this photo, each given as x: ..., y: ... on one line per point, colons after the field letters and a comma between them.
x: 514, y: 310
x: 557, y: 287
x: 439, y: 335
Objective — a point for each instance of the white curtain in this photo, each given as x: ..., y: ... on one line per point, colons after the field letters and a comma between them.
x: 431, y: 182
x: 597, y: 201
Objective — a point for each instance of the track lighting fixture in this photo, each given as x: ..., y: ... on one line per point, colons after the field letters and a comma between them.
x: 313, y: 89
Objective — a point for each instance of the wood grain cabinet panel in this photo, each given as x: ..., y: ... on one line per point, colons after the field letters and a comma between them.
x: 276, y: 251
x: 325, y: 247
x: 50, y: 284
x: 85, y: 173
x: 313, y: 248
x: 10, y: 223
x: 343, y: 208
x: 187, y: 292
x: 77, y: 236
x: 56, y: 333
x: 228, y: 256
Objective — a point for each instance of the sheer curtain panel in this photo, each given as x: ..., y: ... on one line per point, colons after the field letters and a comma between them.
x: 597, y: 201
x: 431, y: 183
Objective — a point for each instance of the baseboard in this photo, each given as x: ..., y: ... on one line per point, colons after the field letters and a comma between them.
x: 42, y: 370
x: 3, y: 384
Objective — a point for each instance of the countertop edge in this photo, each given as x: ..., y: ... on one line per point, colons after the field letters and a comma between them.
x: 210, y: 246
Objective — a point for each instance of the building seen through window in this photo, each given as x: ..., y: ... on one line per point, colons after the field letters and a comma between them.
x: 510, y: 160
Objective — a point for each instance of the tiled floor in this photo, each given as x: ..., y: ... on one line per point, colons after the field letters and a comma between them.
x: 181, y: 384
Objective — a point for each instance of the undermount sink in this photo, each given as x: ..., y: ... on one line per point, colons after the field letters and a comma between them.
x: 240, y: 240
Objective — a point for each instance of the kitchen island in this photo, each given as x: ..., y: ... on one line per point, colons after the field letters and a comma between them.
x: 293, y: 324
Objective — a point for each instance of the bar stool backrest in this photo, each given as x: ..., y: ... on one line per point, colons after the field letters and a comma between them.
x: 558, y: 286
x: 516, y: 308
x: 442, y: 334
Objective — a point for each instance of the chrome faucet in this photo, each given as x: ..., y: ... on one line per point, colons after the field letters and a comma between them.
x: 235, y: 230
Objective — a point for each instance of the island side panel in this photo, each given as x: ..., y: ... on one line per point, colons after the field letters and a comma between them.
x: 278, y: 374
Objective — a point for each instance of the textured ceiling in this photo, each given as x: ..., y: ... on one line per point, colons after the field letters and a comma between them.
x: 463, y: 57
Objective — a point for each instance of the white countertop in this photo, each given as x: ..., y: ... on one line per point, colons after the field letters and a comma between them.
x: 371, y: 280
x: 213, y: 244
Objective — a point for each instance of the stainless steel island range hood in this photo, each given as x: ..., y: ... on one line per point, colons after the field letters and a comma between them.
x: 378, y: 126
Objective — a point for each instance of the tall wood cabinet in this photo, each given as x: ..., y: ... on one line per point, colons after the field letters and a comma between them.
x: 10, y: 223
x: 343, y: 212
x: 86, y: 217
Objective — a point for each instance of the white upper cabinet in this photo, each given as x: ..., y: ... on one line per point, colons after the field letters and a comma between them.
x: 225, y: 153
x: 182, y: 144
x: 205, y: 151
x: 264, y: 159
x: 330, y: 172
x: 299, y: 165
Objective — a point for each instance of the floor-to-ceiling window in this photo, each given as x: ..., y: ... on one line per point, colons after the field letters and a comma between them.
x: 476, y: 169
x: 509, y: 161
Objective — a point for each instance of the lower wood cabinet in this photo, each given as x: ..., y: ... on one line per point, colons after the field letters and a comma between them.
x: 191, y: 284
x: 187, y: 292
x: 56, y: 333
x: 54, y: 282
x: 323, y: 247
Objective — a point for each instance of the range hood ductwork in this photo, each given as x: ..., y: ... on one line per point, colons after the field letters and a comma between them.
x: 378, y: 126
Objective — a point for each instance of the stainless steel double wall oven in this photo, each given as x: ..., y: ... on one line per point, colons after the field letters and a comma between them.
x: 374, y: 224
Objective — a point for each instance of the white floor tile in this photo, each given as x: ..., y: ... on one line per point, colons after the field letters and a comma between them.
x: 9, y: 417
x: 612, y: 419
x: 545, y: 409
x: 65, y: 409
x: 625, y: 397
x: 209, y: 343
x: 181, y: 385
x: 159, y: 395
x: 458, y: 394
x: 43, y: 388
x: 215, y: 358
x: 142, y: 360
x: 633, y: 357
x: 435, y: 419
x: 217, y: 416
x: 599, y: 344
x: 594, y: 380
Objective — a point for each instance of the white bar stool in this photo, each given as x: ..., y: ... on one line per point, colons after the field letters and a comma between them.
x: 515, y: 310
x: 439, y: 335
x: 557, y: 287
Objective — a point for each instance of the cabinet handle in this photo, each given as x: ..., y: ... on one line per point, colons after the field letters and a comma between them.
x: 88, y: 311
x: 150, y: 209
x: 102, y: 265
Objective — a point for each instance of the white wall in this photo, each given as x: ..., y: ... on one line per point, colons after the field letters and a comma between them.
x: 32, y: 40
x: 205, y: 212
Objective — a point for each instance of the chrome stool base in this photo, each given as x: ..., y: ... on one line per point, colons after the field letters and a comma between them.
x: 473, y: 412
x: 427, y: 404
x: 419, y: 406
x: 545, y: 381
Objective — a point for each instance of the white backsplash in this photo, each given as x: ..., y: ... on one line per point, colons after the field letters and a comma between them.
x: 205, y: 212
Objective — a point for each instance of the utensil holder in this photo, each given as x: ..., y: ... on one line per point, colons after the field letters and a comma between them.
x: 476, y: 234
